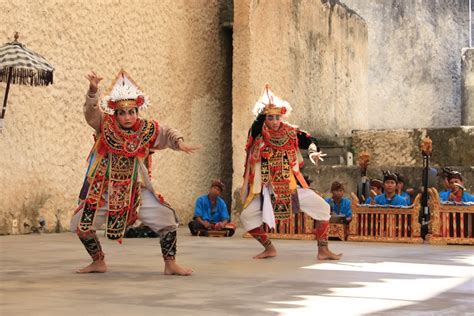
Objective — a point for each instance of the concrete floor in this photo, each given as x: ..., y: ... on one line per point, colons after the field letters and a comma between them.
x: 37, y: 278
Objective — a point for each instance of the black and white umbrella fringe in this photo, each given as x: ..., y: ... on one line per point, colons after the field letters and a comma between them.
x: 24, y: 76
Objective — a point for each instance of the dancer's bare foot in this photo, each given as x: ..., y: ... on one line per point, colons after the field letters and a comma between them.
x: 325, y: 254
x: 97, y: 266
x: 172, y: 268
x: 269, y: 252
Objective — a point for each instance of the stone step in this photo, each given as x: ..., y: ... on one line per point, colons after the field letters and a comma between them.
x: 334, y: 151
x: 329, y: 161
x: 335, y: 142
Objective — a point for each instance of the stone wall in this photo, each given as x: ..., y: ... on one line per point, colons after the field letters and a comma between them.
x: 313, y: 54
x: 174, y: 49
x: 401, y: 147
x: 414, y: 61
x: 467, y: 67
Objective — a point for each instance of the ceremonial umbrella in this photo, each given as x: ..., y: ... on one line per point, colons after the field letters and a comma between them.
x: 20, y: 65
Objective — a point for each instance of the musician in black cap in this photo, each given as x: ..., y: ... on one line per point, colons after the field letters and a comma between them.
x: 457, y: 191
x: 390, y: 196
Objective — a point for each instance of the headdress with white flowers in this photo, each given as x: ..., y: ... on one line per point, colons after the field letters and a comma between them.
x: 271, y: 104
x: 123, y: 93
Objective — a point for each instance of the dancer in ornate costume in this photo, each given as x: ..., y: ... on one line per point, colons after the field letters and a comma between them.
x: 274, y: 186
x: 117, y: 188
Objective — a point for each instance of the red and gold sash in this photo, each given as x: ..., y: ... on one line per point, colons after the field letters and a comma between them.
x: 278, y: 156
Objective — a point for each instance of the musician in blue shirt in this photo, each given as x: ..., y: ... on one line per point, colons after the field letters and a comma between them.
x: 401, y: 186
x: 444, y: 174
x: 457, y: 191
x: 210, y: 213
x: 339, y: 204
x: 390, y: 197
x: 376, y: 188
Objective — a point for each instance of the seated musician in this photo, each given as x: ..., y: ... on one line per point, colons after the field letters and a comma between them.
x: 457, y: 191
x: 443, y: 174
x: 376, y: 188
x: 390, y: 196
x: 340, y: 206
x: 210, y: 213
x: 408, y: 194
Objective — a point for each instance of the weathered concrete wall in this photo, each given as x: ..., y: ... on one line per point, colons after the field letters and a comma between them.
x: 401, y: 147
x: 389, y: 147
x: 314, y: 55
x: 414, y: 61
x: 467, y: 86
x: 173, y: 49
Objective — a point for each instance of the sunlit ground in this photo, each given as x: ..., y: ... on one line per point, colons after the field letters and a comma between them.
x: 385, y: 294
x: 37, y: 278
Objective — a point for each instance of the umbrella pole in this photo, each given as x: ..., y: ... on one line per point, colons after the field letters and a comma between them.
x: 6, y: 93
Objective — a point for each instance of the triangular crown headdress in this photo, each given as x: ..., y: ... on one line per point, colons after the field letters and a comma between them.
x: 123, y: 93
x: 271, y: 104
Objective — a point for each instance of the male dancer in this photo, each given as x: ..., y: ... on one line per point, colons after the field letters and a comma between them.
x: 117, y: 188
x: 274, y: 186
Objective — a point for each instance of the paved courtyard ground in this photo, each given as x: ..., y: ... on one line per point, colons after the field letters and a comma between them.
x: 37, y: 278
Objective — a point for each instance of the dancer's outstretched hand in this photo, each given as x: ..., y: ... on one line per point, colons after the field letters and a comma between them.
x: 94, y: 80
x: 188, y: 148
x: 316, y: 157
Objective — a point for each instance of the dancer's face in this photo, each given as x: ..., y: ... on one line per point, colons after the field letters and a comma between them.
x: 127, y: 117
x: 273, y: 122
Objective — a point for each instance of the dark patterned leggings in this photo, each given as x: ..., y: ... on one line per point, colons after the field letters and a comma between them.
x: 92, y: 244
x: 320, y: 232
x: 168, y: 244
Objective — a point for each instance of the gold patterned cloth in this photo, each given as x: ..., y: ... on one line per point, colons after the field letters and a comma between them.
x: 113, y: 168
x: 273, y: 157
